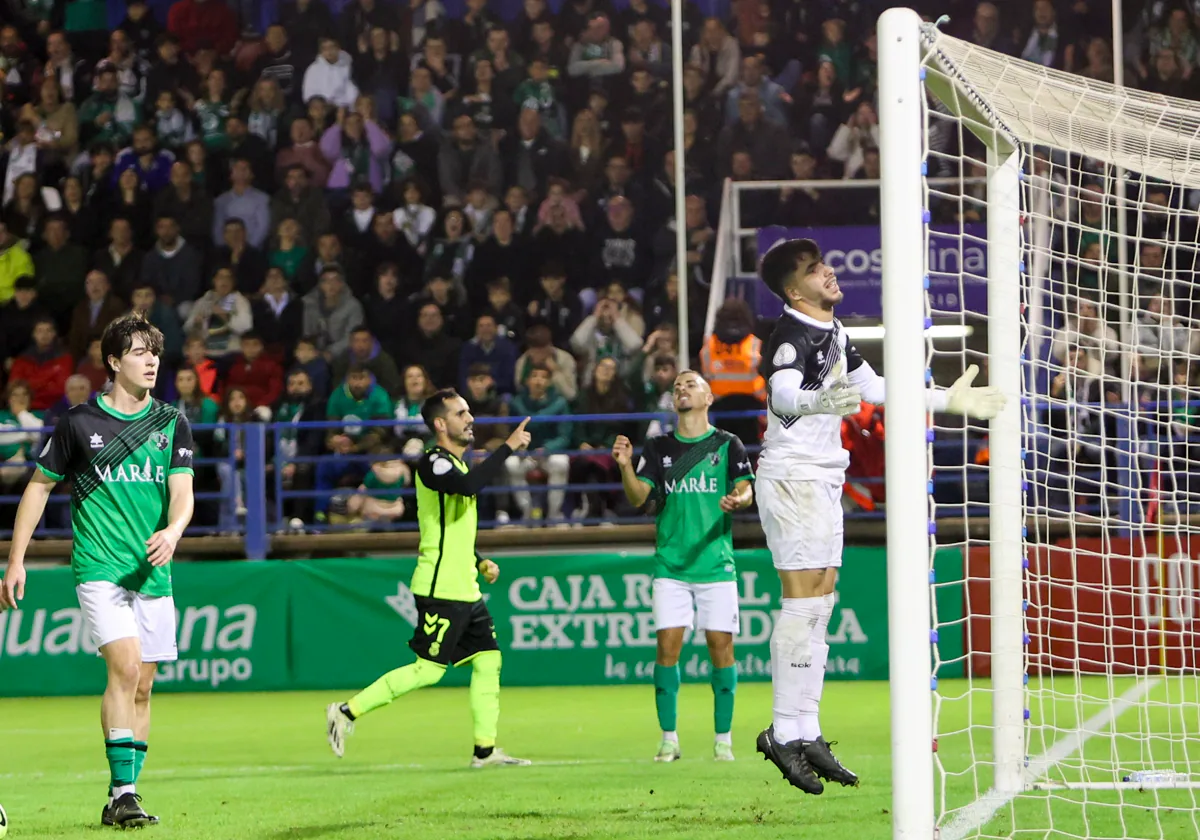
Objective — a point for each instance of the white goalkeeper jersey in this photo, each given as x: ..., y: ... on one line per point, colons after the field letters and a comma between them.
x: 809, y: 447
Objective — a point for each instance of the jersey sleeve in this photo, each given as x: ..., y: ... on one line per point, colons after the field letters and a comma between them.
x: 182, y: 447
x: 788, y: 350
x: 58, y: 454
x: 649, y: 466
x: 739, y: 462
x: 854, y: 359
x: 438, y: 472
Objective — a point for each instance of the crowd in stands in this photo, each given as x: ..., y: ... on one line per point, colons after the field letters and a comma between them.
x: 331, y: 215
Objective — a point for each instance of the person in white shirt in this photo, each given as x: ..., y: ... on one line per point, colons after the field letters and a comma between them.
x: 329, y: 77
x: 815, y: 377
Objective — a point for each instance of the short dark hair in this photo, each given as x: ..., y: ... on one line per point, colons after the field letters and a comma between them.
x: 781, y: 261
x: 537, y: 366
x: 479, y: 369
x: 119, y: 335
x: 554, y: 268
x: 356, y: 368
x: 251, y: 335
x: 435, y: 406
x: 663, y: 360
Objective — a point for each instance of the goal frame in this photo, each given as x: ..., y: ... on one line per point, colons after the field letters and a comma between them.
x: 904, y: 216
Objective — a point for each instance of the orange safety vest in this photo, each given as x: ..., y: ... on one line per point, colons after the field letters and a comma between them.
x: 733, y: 368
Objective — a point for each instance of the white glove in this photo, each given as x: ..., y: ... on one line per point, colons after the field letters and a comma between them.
x: 840, y: 398
x: 982, y: 403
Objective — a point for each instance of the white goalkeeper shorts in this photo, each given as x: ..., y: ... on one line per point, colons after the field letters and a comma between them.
x: 705, y: 606
x: 802, y: 521
x: 111, y: 612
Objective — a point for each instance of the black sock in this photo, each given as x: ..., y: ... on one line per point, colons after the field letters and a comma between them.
x: 483, y: 752
x: 345, y: 709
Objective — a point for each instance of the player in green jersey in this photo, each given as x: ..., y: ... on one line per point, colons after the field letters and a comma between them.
x: 129, y: 459
x: 453, y: 624
x: 692, y: 480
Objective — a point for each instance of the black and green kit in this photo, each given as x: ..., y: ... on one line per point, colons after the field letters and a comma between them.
x: 118, y: 465
x: 688, y: 477
x: 453, y: 621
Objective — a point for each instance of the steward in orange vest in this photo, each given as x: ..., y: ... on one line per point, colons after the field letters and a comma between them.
x: 730, y: 358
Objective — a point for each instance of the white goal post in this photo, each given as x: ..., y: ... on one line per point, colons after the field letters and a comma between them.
x: 1075, y: 709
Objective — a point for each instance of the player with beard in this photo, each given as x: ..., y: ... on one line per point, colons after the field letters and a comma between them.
x: 453, y: 626
x: 815, y: 377
x: 692, y: 481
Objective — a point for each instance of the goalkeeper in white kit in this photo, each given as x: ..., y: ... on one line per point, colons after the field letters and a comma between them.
x: 815, y: 376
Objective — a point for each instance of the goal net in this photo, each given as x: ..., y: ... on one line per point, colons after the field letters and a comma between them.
x: 1075, y: 709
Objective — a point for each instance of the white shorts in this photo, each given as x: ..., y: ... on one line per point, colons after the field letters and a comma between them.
x: 111, y: 612
x: 713, y: 606
x: 802, y: 521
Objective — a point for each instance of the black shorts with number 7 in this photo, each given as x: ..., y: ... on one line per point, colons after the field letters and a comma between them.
x: 449, y: 632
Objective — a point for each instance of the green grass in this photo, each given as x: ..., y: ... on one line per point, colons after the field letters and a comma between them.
x: 250, y: 766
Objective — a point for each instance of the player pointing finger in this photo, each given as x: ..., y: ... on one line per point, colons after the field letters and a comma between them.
x: 520, y: 438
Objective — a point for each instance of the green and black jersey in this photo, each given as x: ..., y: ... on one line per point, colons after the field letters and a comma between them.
x: 694, y: 539
x: 118, y: 466
x: 448, y: 518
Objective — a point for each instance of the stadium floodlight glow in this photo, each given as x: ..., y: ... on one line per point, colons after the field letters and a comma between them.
x: 936, y: 332
x: 1050, y: 686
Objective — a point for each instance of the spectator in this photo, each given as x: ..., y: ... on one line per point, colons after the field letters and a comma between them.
x: 701, y: 244
x: 987, y: 32
x: 173, y: 267
x: 26, y: 211
x: 172, y: 127
x: 510, y: 321
x: 766, y: 142
x: 500, y: 255
x: 356, y: 399
x: 17, y: 318
x: 244, y: 202
x: 195, y: 350
x: 92, y: 367
x: 310, y: 360
x: 90, y: 316
x: 718, y: 56
x: 834, y: 48
x: 82, y: 223
x: 331, y: 312
x: 1044, y: 46
x: 249, y: 264
x: 552, y: 305
x: 56, y: 125
x: 378, y: 497
x: 381, y: 72
x: 385, y: 308
x: 360, y: 17
x: 1167, y: 77
x: 619, y: 251
x: 819, y: 107
x: 230, y: 441
x: 550, y: 50
x: 465, y: 159
x: 304, y: 152
x: 357, y: 150
x: 658, y: 391
x: 410, y: 430
x: 507, y: 65
x: 168, y: 74
x: 288, y: 252
x: 450, y: 255
x: 413, y: 218
x: 853, y: 138
x: 255, y: 373
x: 478, y: 210
x: 585, y: 159
x: 605, y: 394
x: 145, y: 300
x: 488, y: 105
x: 203, y: 22
x: 197, y: 407
x: 244, y: 144
x: 627, y: 307
x: 423, y: 100
x: 1160, y: 332
x: 605, y: 335
x: 221, y: 316
x: 774, y: 99
x: 386, y: 245
x: 153, y: 167
x: 301, y: 202
x: 278, y: 316
x: 558, y: 362
x: 329, y: 253
x: 490, y: 348
x: 433, y: 349
x: 484, y: 401
x: 645, y: 120
x: 300, y: 404
x: 443, y: 68
x: 618, y: 181
x: 77, y: 391
x: 306, y: 22
x: 277, y: 63
x: 107, y: 116
x: 532, y: 156
x: 212, y: 110
x: 364, y: 350
x: 469, y: 33
x: 189, y: 204
x: 45, y: 365
x: 597, y: 55
x: 20, y: 430
x: 329, y: 77
x: 72, y: 73
x: 61, y: 266
x: 416, y: 157
x: 14, y: 262
x: 648, y: 50
x: 538, y: 94
x: 1097, y: 61
x: 131, y: 201
x: 354, y: 228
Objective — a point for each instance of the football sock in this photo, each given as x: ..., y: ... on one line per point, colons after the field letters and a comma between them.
x: 791, y: 656
x: 666, y: 695
x: 485, y: 697
x: 725, y: 737
x: 395, y: 684
x: 672, y: 736
x: 724, y: 686
x: 118, y: 749
x: 812, y: 680
x: 139, y: 758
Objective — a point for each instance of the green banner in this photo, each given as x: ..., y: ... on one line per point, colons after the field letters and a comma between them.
x: 577, y: 619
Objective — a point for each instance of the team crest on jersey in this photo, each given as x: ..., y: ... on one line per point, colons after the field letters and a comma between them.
x: 714, y: 458
x: 785, y: 355
x: 159, y: 441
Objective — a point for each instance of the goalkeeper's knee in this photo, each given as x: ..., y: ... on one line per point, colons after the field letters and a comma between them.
x: 426, y: 673
x: 487, y: 663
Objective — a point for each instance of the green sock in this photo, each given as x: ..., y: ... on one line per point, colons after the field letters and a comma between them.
x: 666, y: 695
x: 139, y: 758
x: 485, y: 697
x: 395, y: 684
x: 724, y: 686
x: 119, y: 751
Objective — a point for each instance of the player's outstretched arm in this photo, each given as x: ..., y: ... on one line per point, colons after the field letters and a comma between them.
x: 29, y: 514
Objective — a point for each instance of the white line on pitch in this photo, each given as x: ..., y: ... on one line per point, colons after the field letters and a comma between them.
x: 981, y: 811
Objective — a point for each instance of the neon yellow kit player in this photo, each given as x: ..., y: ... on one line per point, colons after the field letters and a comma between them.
x: 453, y: 624
x: 129, y: 458
x: 692, y: 480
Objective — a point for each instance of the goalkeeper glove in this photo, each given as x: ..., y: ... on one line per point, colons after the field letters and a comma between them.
x: 840, y: 399
x: 982, y: 403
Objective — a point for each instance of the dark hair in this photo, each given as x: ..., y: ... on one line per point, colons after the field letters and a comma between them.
x: 663, y: 360
x: 780, y: 263
x: 356, y: 368
x: 119, y: 335
x: 435, y: 406
x: 479, y: 369
x: 227, y: 413
x: 536, y: 366
x: 499, y: 283
x: 554, y: 268
x: 251, y: 335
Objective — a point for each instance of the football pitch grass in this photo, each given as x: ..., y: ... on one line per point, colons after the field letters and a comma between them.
x: 258, y: 766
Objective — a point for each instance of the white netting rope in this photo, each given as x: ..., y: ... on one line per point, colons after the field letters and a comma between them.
x: 1112, y: 735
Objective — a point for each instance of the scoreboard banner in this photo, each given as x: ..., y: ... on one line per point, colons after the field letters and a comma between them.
x: 571, y: 619
x: 856, y: 254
